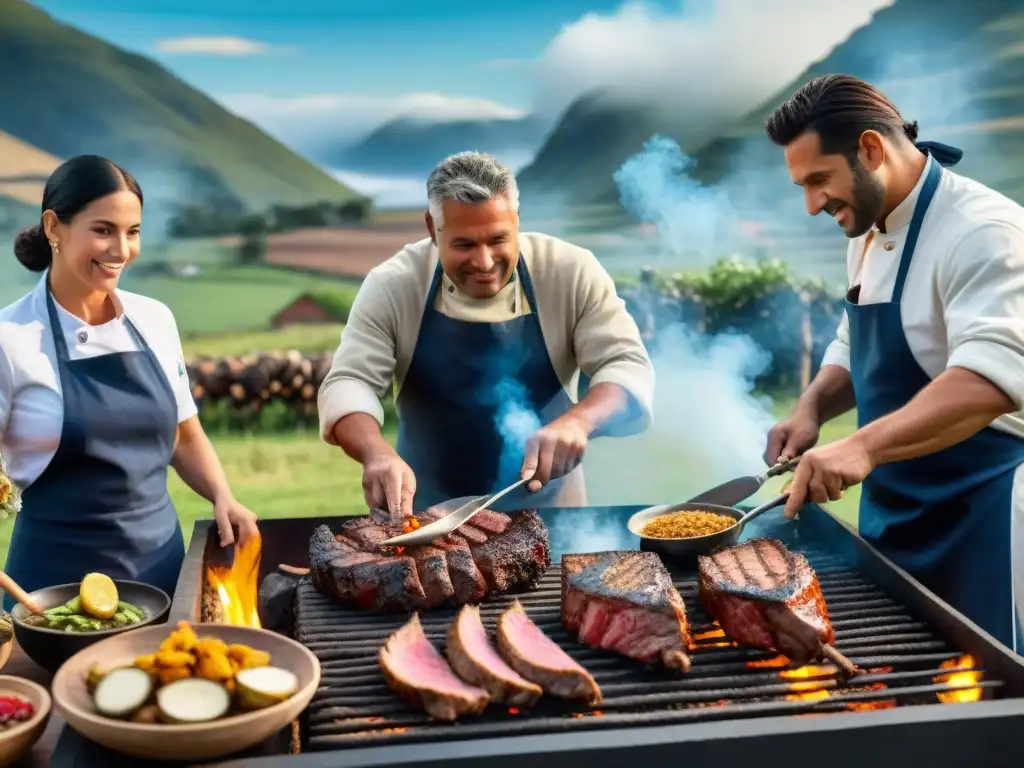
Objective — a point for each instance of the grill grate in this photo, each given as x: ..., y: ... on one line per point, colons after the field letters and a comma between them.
x: 354, y: 706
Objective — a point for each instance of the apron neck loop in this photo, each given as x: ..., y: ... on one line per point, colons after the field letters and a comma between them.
x: 56, y: 330
x: 944, y: 154
x: 931, y: 183
x: 521, y: 277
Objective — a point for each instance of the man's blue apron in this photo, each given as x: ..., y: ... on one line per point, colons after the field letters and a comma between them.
x: 101, y: 505
x: 944, y: 518
x: 473, y: 395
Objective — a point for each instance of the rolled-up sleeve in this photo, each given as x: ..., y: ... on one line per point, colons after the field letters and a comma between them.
x: 838, y: 352
x: 364, y: 363
x: 982, y: 291
x: 608, y: 346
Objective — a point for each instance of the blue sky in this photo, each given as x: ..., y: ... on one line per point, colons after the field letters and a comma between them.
x: 386, y: 47
x: 319, y: 73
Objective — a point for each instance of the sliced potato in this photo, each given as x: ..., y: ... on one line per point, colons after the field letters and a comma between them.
x: 192, y: 700
x: 122, y: 692
x: 261, y: 687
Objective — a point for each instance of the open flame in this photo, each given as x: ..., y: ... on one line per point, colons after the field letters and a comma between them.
x: 237, y: 587
x: 963, y: 680
x: 813, y: 682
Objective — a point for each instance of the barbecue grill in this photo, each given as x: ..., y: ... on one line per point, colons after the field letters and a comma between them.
x: 735, y: 704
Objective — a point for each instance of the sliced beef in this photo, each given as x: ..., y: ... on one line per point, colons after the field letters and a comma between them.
x: 475, y: 660
x: 515, y: 560
x: 467, y: 581
x: 625, y: 602
x: 418, y: 673
x: 458, y: 569
x: 368, y: 534
x: 374, y: 582
x: 432, y: 567
x: 765, y: 596
x: 468, y: 533
x: 536, y: 657
x: 490, y: 522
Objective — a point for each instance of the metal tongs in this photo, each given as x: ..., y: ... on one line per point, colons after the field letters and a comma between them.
x: 733, y: 492
x: 448, y: 523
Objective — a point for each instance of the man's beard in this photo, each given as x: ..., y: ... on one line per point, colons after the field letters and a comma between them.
x: 867, y: 204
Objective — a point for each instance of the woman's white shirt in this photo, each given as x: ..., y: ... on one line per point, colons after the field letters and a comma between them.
x: 31, y: 406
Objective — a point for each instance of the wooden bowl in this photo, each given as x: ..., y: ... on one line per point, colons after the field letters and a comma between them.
x: 204, y: 741
x: 16, y: 741
x: 49, y: 648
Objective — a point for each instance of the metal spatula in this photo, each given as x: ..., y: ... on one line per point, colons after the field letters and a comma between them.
x: 449, y: 523
x: 733, y: 492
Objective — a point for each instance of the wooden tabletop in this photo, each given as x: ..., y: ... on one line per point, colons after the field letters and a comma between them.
x: 20, y: 665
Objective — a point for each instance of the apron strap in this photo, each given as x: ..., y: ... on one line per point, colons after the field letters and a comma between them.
x: 59, y: 343
x: 931, y: 183
x: 524, y: 275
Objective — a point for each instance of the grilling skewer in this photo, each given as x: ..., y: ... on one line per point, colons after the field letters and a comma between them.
x: 847, y: 668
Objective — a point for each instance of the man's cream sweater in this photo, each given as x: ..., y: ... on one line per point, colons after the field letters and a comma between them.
x: 584, y: 322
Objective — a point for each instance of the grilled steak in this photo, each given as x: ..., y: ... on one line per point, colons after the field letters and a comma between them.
x: 467, y: 581
x: 625, y: 602
x: 373, y: 582
x: 474, y: 659
x: 415, y: 670
x: 456, y: 570
x: 536, y: 657
x: 765, y: 596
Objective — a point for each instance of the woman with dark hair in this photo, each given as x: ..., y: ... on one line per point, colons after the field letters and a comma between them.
x: 95, y: 404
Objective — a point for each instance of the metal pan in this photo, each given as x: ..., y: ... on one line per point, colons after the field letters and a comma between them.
x: 686, y: 551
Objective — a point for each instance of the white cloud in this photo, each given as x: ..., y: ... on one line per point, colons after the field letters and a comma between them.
x: 225, y: 45
x: 728, y: 56
x: 330, y: 119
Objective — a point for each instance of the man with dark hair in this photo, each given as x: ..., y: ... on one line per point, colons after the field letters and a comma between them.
x: 930, y: 351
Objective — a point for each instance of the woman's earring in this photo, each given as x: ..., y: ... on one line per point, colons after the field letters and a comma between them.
x: 56, y: 249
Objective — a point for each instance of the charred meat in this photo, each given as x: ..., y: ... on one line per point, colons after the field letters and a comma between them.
x: 492, y: 553
x: 625, y: 602
x: 765, y: 596
x: 418, y: 673
x: 536, y: 657
x: 476, y: 661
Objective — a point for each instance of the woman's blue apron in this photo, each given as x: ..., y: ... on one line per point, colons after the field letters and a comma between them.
x: 473, y: 395
x: 101, y: 505
x: 945, y: 518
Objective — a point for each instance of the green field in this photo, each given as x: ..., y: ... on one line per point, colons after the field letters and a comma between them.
x: 297, y: 475
x: 307, y: 339
x: 230, y: 299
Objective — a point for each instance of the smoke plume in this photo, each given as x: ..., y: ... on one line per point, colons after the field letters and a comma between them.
x: 709, y: 423
x: 655, y: 188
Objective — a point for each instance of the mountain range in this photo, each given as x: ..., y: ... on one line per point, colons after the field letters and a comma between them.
x: 66, y: 93
x: 956, y: 67
x: 407, y: 146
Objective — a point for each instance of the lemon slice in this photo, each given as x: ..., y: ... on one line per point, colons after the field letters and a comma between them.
x: 99, y: 596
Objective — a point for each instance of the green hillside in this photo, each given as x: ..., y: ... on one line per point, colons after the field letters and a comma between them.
x: 595, y: 134
x: 69, y: 93
x: 956, y: 67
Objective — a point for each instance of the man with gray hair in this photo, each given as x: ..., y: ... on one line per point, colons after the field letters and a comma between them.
x: 483, y: 331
